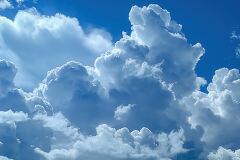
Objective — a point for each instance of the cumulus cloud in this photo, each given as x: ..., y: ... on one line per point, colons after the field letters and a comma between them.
x: 224, y: 154
x: 122, y: 111
x: 109, y: 143
x: 11, y: 117
x: 4, y: 158
x: 157, y: 45
x: 20, y: 1
x: 138, y: 99
x: 218, y: 109
x: 4, y: 4
x: 83, y: 97
x: 37, y: 43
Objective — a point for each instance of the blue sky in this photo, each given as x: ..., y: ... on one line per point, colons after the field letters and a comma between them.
x: 119, y: 80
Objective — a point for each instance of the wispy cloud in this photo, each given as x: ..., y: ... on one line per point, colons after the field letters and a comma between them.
x: 235, y: 36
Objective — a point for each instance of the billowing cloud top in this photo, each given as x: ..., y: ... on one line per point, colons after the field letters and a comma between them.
x: 139, y: 99
x: 37, y: 43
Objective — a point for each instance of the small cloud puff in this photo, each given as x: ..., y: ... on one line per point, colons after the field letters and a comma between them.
x: 122, y: 111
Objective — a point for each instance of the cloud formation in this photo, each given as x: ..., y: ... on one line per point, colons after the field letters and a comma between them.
x: 4, y: 4
x: 217, y: 109
x: 109, y: 143
x: 32, y: 39
x: 224, y: 154
x: 139, y: 99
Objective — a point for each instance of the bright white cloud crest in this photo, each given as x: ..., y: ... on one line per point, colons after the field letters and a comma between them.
x: 138, y: 99
x: 38, y: 40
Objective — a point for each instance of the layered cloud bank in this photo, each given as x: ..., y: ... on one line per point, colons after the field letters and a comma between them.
x: 138, y: 99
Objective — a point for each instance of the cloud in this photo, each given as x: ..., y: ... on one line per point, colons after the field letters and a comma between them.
x: 37, y: 43
x: 236, y: 37
x: 78, y: 96
x: 217, y: 109
x: 11, y: 117
x: 4, y: 158
x: 224, y: 154
x: 122, y: 111
x: 7, y: 74
x: 70, y: 89
x: 83, y: 109
x: 156, y: 43
x: 109, y: 143
x: 4, y: 4
x: 89, y: 95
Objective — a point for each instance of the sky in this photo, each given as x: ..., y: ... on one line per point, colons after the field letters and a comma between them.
x: 119, y: 80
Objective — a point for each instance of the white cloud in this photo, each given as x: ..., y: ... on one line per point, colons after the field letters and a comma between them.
x: 68, y: 116
x: 155, y: 41
x: 218, y: 109
x: 4, y: 4
x: 235, y: 36
x: 4, y: 158
x: 58, y: 123
x: 122, y: 111
x: 110, y: 143
x: 224, y: 154
x: 37, y: 43
x: 10, y: 117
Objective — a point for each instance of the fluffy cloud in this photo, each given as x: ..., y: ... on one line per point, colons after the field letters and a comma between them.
x: 70, y: 89
x: 158, y: 47
x: 87, y: 112
x: 17, y: 132
x: 122, y: 111
x: 86, y: 98
x: 218, y: 109
x: 235, y: 36
x: 4, y: 4
x: 10, y: 117
x: 224, y: 154
x: 37, y: 43
x: 109, y: 143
